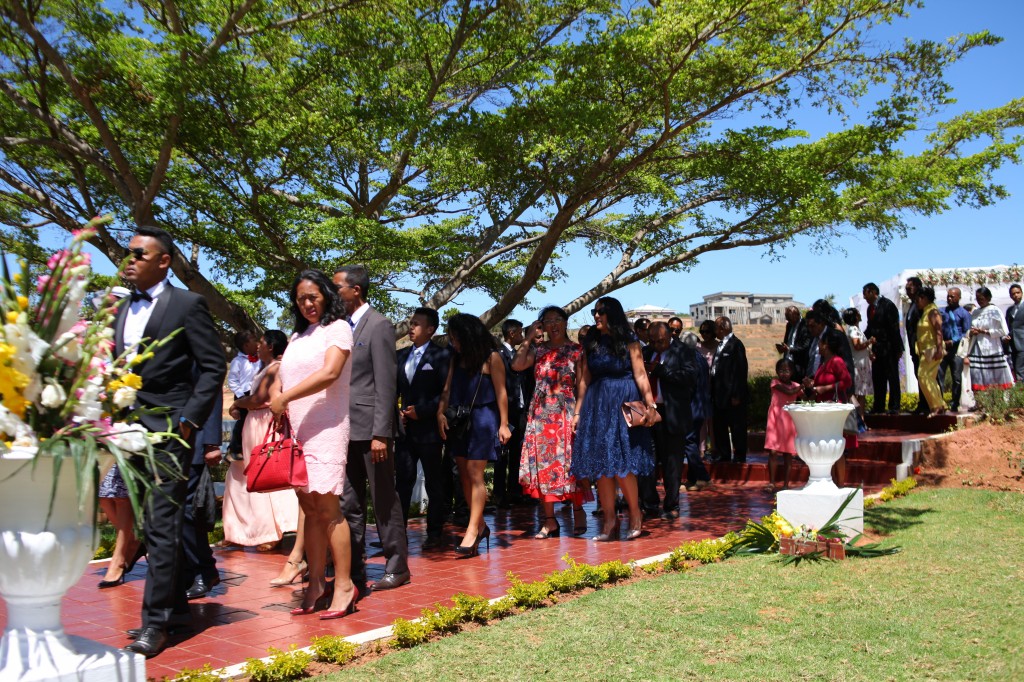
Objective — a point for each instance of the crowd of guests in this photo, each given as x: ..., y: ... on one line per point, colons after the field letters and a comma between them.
x: 619, y: 409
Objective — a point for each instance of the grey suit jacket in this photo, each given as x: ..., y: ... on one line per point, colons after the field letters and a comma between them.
x: 374, y: 369
x: 1015, y: 323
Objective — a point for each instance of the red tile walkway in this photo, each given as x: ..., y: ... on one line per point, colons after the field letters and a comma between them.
x: 243, y: 616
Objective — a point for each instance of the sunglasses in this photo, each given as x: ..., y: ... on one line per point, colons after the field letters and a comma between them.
x: 597, y: 311
x: 137, y: 253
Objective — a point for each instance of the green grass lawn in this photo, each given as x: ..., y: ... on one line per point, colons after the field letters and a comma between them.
x: 950, y: 607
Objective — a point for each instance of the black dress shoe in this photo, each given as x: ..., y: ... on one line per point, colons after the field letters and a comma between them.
x: 433, y: 542
x: 392, y: 580
x: 202, y: 586
x: 180, y: 629
x: 149, y: 642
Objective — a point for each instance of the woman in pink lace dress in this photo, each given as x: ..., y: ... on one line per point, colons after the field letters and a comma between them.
x: 314, y: 380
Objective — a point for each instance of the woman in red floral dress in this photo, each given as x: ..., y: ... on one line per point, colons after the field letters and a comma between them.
x: 547, y: 443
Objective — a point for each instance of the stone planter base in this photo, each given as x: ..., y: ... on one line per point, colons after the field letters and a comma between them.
x: 812, y: 508
x: 48, y: 656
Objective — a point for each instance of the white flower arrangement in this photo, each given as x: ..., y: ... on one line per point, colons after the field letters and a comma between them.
x: 62, y: 392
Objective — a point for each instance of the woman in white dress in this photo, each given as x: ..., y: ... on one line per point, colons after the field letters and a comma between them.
x: 989, y: 368
x: 861, y: 346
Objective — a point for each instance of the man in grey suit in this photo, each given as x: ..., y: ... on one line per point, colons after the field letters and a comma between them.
x: 1015, y: 323
x: 370, y: 450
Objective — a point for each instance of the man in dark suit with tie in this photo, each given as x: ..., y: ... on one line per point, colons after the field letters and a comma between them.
x: 883, y: 333
x: 1015, y: 323
x: 672, y: 374
x: 371, y: 416
x: 795, y: 342
x: 154, y: 312
x: 519, y: 388
x: 422, y: 369
x: 729, y: 393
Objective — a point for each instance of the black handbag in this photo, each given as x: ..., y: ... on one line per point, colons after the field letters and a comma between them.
x: 458, y: 415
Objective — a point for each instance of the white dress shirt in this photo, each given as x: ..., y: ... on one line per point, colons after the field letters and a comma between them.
x: 138, y: 316
x: 357, y: 315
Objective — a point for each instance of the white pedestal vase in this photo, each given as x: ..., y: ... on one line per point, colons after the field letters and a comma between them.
x: 820, y: 443
x: 43, y: 553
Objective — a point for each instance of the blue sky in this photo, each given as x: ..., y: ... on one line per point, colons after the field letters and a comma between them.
x: 961, y: 237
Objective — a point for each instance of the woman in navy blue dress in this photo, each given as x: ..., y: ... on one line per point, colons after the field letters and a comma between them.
x: 476, y: 378
x: 606, y: 450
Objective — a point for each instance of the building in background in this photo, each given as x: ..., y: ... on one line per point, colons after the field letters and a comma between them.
x: 743, y: 307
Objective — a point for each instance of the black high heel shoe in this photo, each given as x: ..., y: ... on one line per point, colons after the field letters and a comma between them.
x: 579, y: 522
x: 546, y: 532
x: 104, y: 584
x: 474, y: 549
x: 139, y: 553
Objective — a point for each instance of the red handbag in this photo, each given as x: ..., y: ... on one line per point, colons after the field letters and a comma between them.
x: 276, y: 464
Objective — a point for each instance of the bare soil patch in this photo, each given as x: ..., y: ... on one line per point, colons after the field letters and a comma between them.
x: 984, y: 456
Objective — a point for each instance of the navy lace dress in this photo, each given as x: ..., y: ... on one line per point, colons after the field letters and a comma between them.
x: 604, y: 445
x: 481, y: 441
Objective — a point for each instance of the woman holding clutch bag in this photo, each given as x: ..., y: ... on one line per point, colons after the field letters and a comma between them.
x: 476, y: 380
x: 314, y: 383
x: 606, y: 449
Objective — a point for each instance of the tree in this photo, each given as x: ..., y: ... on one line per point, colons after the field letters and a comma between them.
x: 467, y: 145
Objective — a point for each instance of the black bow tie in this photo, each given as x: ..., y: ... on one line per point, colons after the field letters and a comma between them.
x: 141, y: 296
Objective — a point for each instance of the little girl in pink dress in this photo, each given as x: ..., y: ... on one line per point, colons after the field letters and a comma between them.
x: 780, y: 435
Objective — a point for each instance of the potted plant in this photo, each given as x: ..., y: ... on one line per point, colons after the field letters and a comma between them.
x: 819, y: 439
x: 64, y: 420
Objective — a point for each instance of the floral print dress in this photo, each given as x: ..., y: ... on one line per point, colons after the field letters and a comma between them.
x: 547, y: 442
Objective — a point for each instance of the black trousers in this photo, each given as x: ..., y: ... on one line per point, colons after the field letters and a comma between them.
x: 954, y: 364
x: 1017, y: 364
x: 669, y: 451
x: 360, y: 470
x: 409, y: 451
x: 195, y: 532
x: 235, y: 444
x: 695, y: 469
x: 506, y: 468
x: 163, y: 524
x: 885, y: 376
x: 730, y: 420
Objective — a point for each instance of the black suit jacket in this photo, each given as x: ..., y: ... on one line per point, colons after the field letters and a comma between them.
x: 798, y: 350
x: 884, y: 325
x: 167, y: 378
x: 516, y: 383
x: 676, y: 373
x: 1015, y: 323
x: 424, y: 392
x: 730, y: 379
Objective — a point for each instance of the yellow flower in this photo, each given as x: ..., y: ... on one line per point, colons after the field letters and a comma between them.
x: 114, y: 385
x: 12, y: 317
x: 23, y: 302
x: 17, y: 278
x: 132, y: 380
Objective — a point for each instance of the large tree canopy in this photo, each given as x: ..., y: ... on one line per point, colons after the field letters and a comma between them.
x: 466, y: 145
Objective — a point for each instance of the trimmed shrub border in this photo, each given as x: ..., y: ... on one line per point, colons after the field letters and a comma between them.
x: 469, y: 610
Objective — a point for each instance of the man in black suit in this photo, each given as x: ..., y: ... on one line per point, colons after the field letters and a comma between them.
x: 519, y: 388
x: 672, y: 374
x: 422, y: 369
x: 913, y: 286
x: 153, y: 312
x: 372, y: 418
x: 200, y: 565
x: 730, y: 394
x: 795, y: 342
x: 1015, y: 323
x: 883, y: 332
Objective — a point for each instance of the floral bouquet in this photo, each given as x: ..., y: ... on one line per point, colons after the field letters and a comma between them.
x: 62, y: 392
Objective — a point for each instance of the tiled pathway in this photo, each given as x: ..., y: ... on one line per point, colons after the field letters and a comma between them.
x: 243, y: 616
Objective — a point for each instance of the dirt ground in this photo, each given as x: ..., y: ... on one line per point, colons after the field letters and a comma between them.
x: 983, y: 456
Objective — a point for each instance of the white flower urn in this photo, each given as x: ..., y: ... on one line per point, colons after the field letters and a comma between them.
x: 44, y: 551
x: 819, y: 439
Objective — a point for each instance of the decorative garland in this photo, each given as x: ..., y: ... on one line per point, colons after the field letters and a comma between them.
x: 973, y: 276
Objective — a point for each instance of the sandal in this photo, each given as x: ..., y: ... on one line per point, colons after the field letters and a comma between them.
x: 579, y: 518
x: 546, y: 532
x: 283, y: 579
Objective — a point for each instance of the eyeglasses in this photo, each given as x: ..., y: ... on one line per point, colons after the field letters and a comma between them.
x: 550, y: 323
x: 597, y: 311
x: 136, y: 253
